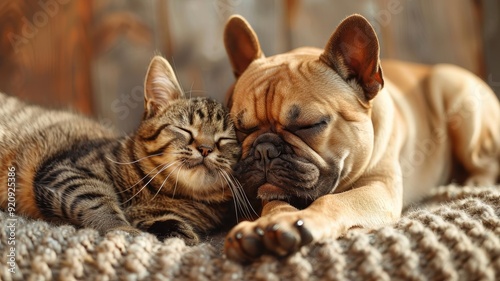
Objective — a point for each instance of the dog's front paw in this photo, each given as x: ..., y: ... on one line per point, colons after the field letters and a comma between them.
x: 278, y: 235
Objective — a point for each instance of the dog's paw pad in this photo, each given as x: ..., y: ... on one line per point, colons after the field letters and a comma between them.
x: 252, y: 246
x: 288, y: 240
x: 281, y: 239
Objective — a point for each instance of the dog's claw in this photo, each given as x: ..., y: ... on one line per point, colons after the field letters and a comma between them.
x: 299, y: 223
x: 259, y: 231
x: 305, y: 235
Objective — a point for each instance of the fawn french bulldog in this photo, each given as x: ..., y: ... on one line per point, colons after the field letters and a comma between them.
x: 331, y: 142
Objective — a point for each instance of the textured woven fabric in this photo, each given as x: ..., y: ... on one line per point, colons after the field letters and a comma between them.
x: 453, y: 235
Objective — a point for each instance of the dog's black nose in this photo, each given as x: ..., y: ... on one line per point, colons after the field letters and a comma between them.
x: 266, y: 151
x: 267, y: 147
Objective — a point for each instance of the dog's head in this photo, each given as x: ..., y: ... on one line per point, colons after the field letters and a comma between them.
x: 303, y: 117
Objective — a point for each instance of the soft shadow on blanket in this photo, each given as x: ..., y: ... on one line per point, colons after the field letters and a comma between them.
x: 453, y: 235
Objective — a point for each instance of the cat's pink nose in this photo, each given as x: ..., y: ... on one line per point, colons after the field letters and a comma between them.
x: 205, y: 149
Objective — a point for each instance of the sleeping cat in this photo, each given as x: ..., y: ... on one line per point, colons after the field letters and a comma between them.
x: 172, y: 177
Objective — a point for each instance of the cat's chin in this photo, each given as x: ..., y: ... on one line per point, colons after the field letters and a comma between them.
x: 203, y: 165
x: 199, y: 176
x: 202, y: 179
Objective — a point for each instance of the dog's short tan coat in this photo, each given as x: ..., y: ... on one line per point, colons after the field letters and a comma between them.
x: 331, y: 142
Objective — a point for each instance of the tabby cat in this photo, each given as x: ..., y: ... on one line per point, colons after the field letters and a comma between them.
x: 172, y: 177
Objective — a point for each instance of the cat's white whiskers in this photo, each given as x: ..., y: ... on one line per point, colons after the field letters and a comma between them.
x: 139, y: 181
x: 142, y: 188
x: 177, y: 180
x: 190, y: 100
x: 181, y: 163
x: 223, y: 183
x: 243, y: 196
x: 240, y: 204
x: 135, y: 161
x: 236, y: 204
x: 178, y: 153
x: 240, y: 199
x: 191, y: 90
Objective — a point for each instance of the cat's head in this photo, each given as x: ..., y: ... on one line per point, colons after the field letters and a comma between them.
x: 190, y: 144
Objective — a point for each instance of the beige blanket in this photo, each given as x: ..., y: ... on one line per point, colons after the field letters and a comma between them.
x: 453, y: 235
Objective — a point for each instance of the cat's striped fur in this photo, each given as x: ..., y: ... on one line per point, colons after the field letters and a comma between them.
x: 171, y: 177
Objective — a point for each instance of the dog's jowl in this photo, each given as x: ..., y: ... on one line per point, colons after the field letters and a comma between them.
x: 335, y: 138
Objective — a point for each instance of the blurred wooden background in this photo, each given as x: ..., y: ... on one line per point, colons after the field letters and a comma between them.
x: 92, y: 55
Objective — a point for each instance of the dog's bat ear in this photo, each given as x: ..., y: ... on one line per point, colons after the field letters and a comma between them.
x: 353, y: 51
x: 242, y: 44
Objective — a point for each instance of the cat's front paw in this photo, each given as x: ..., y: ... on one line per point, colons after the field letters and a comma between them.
x: 174, y: 228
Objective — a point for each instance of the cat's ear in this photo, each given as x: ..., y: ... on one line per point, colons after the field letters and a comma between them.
x: 242, y: 44
x: 353, y: 51
x: 161, y: 86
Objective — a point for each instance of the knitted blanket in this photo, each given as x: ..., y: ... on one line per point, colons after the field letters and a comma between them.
x: 454, y: 234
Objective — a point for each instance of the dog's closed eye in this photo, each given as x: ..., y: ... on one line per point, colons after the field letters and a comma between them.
x: 310, y: 128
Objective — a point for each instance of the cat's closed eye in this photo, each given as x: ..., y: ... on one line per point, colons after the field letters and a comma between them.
x: 188, y: 134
